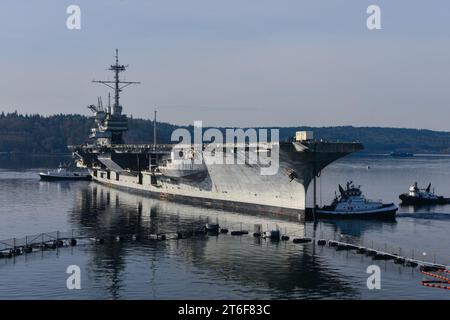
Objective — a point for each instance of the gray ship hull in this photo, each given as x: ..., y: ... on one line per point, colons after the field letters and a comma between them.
x: 213, y: 203
x: 235, y: 187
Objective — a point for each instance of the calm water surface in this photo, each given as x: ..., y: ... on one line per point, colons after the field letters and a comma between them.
x: 224, y: 266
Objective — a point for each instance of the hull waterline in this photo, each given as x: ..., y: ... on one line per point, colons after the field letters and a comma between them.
x: 46, y: 177
x: 383, y: 215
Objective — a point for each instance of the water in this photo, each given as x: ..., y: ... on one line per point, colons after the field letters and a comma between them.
x: 222, y: 267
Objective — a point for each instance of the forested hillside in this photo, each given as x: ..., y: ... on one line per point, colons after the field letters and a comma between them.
x: 39, y: 134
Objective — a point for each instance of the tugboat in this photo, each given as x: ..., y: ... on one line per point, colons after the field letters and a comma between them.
x: 352, y: 204
x: 417, y: 196
x: 62, y: 173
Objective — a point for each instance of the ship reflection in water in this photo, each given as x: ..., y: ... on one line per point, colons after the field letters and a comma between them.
x: 271, y: 268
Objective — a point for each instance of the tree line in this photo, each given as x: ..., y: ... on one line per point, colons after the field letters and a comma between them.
x: 37, y: 134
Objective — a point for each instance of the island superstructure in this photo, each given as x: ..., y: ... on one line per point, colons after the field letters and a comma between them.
x: 152, y: 170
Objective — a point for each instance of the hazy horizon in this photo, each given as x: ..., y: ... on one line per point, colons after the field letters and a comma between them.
x: 241, y: 64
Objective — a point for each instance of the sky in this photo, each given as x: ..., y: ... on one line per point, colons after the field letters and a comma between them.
x: 234, y: 62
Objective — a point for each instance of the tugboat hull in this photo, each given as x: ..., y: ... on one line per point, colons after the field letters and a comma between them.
x: 49, y: 177
x: 387, y: 212
x: 409, y: 200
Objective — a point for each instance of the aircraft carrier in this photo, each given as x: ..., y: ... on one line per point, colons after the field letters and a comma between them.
x: 153, y: 169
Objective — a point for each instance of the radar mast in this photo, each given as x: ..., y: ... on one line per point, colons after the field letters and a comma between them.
x: 111, y: 124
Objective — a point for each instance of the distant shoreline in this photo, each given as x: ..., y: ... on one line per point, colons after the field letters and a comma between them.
x: 35, y: 134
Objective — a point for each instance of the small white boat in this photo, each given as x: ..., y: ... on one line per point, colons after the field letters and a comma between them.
x: 352, y: 204
x: 62, y: 173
